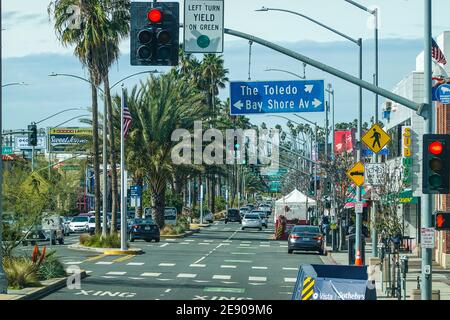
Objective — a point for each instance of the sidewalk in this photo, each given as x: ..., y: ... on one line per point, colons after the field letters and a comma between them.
x: 441, y: 277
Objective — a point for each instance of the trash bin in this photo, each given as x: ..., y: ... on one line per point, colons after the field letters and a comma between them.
x: 333, y: 282
x: 351, y: 242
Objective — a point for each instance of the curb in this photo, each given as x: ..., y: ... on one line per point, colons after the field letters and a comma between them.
x: 36, y: 293
x: 106, y: 251
x: 177, y: 236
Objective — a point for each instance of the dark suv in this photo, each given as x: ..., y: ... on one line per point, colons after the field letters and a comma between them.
x: 233, y: 216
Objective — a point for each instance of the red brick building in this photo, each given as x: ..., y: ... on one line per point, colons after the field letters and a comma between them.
x: 443, y: 201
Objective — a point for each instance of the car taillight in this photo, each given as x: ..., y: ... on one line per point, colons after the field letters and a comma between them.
x: 135, y: 227
x: 294, y: 236
x: 318, y: 238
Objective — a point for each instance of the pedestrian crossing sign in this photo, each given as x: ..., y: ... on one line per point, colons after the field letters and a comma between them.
x: 376, y: 138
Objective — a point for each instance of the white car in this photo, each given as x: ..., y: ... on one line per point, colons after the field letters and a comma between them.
x: 65, y: 223
x: 79, y: 224
x: 208, y: 217
x: 252, y: 221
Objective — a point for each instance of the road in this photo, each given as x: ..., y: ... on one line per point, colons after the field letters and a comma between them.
x: 221, y: 262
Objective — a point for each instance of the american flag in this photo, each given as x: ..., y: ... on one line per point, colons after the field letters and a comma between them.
x: 438, y: 55
x: 127, y: 119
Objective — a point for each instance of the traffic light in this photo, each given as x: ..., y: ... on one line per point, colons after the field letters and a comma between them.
x: 236, y: 144
x: 32, y: 135
x: 442, y: 221
x: 436, y: 159
x: 155, y: 30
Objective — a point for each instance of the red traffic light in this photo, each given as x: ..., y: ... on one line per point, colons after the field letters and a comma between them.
x: 154, y: 16
x: 440, y: 220
x: 436, y: 148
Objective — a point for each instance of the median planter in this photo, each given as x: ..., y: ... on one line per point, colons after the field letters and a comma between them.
x: 182, y: 235
x: 106, y: 251
x: 48, y: 287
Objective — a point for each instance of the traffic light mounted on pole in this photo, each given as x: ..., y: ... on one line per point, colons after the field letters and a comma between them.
x: 436, y: 159
x: 155, y: 29
x: 442, y: 221
x: 32, y: 135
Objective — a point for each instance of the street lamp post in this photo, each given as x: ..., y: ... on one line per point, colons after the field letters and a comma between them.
x: 289, y: 72
x: 359, y: 43
x: 374, y: 12
x: 105, y: 136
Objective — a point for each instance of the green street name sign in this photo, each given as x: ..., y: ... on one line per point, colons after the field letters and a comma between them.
x: 7, y: 150
x: 71, y: 168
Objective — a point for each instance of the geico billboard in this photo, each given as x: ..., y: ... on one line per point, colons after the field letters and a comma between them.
x: 21, y: 143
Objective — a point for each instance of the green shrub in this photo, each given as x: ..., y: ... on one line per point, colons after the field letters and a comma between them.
x: 21, y: 272
x: 51, y: 268
x: 97, y: 241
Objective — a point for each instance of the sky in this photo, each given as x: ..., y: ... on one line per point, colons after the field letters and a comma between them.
x: 31, y: 52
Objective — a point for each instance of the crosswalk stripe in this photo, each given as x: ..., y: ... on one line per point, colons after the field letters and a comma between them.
x: 290, y: 279
x: 262, y: 279
x: 228, y: 267
x: 104, y: 262
x: 135, y: 264
x: 186, y: 275
x: 166, y: 264
x: 290, y: 269
x: 116, y: 273
x: 221, y: 277
x: 197, y: 265
x: 73, y: 262
x: 150, y: 274
x: 259, y: 268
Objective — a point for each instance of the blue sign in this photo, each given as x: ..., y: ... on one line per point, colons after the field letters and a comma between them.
x: 277, y: 97
x: 135, y: 191
x: 443, y: 94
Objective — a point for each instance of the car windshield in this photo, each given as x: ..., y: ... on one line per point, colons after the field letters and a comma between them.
x: 262, y: 215
x: 308, y: 229
x: 252, y: 217
x: 233, y: 212
x: 92, y: 220
x: 142, y: 221
x: 80, y: 219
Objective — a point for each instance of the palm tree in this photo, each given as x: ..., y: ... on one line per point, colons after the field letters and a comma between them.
x: 160, y: 106
x: 87, y: 39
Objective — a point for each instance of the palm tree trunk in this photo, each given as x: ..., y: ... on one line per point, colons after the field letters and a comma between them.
x: 158, y: 204
x: 113, y: 156
x: 95, y: 146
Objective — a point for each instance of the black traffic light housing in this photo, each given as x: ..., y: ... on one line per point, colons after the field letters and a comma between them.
x: 436, y: 168
x: 442, y: 221
x: 155, y: 30
x: 32, y: 135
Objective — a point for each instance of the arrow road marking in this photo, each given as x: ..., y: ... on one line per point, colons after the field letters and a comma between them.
x: 238, y: 105
x: 309, y: 88
x: 316, y: 103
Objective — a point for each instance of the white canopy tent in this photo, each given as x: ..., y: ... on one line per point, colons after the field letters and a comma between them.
x: 293, y: 206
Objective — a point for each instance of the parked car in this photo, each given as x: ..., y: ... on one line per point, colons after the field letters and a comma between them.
x: 170, y: 215
x: 252, y: 221
x: 39, y: 234
x: 145, y: 229
x: 208, y: 217
x: 233, y: 216
x: 263, y: 216
x: 65, y: 223
x: 306, y: 238
x: 79, y: 224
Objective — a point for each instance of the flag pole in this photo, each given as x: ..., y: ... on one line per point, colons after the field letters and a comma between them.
x: 123, y: 183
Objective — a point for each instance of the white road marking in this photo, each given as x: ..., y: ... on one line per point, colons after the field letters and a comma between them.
x: 89, y: 271
x: 108, y: 277
x: 265, y: 245
x: 135, y: 278
x: 171, y: 239
x: 104, y: 262
x: 239, y: 261
x: 189, y: 240
x: 256, y: 284
x: 164, y: 279
x: 244, y: 245
x: 290, y: 279
x: 242, y: 253
x: 257, y: 279
x: 73, y: 262
x: 199, y: 260
x: 228, y: 282
x: 283, y: 246
x: 221, y: 277
x: 186, y: 275
x: 290, y: 269
x: 202, y: 281
x: 246, y: 241
x: 204, y: 243
x: 208, y: 240
x: 228, y: 267
x: 259, y: 268
x: 168, y: 290
x: 185, y: 243
x: 150, y: 274
x: 166, y: 264
x: 116, y: 273
x: 135, y: 263
x: 228, y: 241
x: 163, y: 245
x: 194, y: 265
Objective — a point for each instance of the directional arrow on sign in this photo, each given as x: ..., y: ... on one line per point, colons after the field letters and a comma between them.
x: 239, y: 105
x: 309, y: 88
x: 316, y: 103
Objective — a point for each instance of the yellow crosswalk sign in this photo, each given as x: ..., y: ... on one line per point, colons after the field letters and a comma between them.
x: 376, y: 138
x: 356, y: 174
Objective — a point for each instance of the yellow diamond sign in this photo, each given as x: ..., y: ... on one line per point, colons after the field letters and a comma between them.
x: 376, y: 138
x: 356, y: 174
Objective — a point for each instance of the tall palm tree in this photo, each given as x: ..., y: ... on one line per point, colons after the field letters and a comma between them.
x: 160, y: 106
x: 87, y: 41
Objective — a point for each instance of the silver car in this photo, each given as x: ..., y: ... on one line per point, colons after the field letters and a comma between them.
x: 263, y: 216
x: 252, y: 221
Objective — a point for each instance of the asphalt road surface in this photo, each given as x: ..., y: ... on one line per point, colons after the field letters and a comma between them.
x: 221, y: 262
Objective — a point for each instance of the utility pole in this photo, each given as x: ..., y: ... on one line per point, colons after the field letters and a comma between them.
x: 427, y: 207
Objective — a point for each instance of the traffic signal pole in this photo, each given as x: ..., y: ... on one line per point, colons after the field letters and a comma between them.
x: 426, y: 209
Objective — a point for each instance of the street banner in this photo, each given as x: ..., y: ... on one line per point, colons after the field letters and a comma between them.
x: 203, y: 26
x: 69, y: 139
x: 344, y: 141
